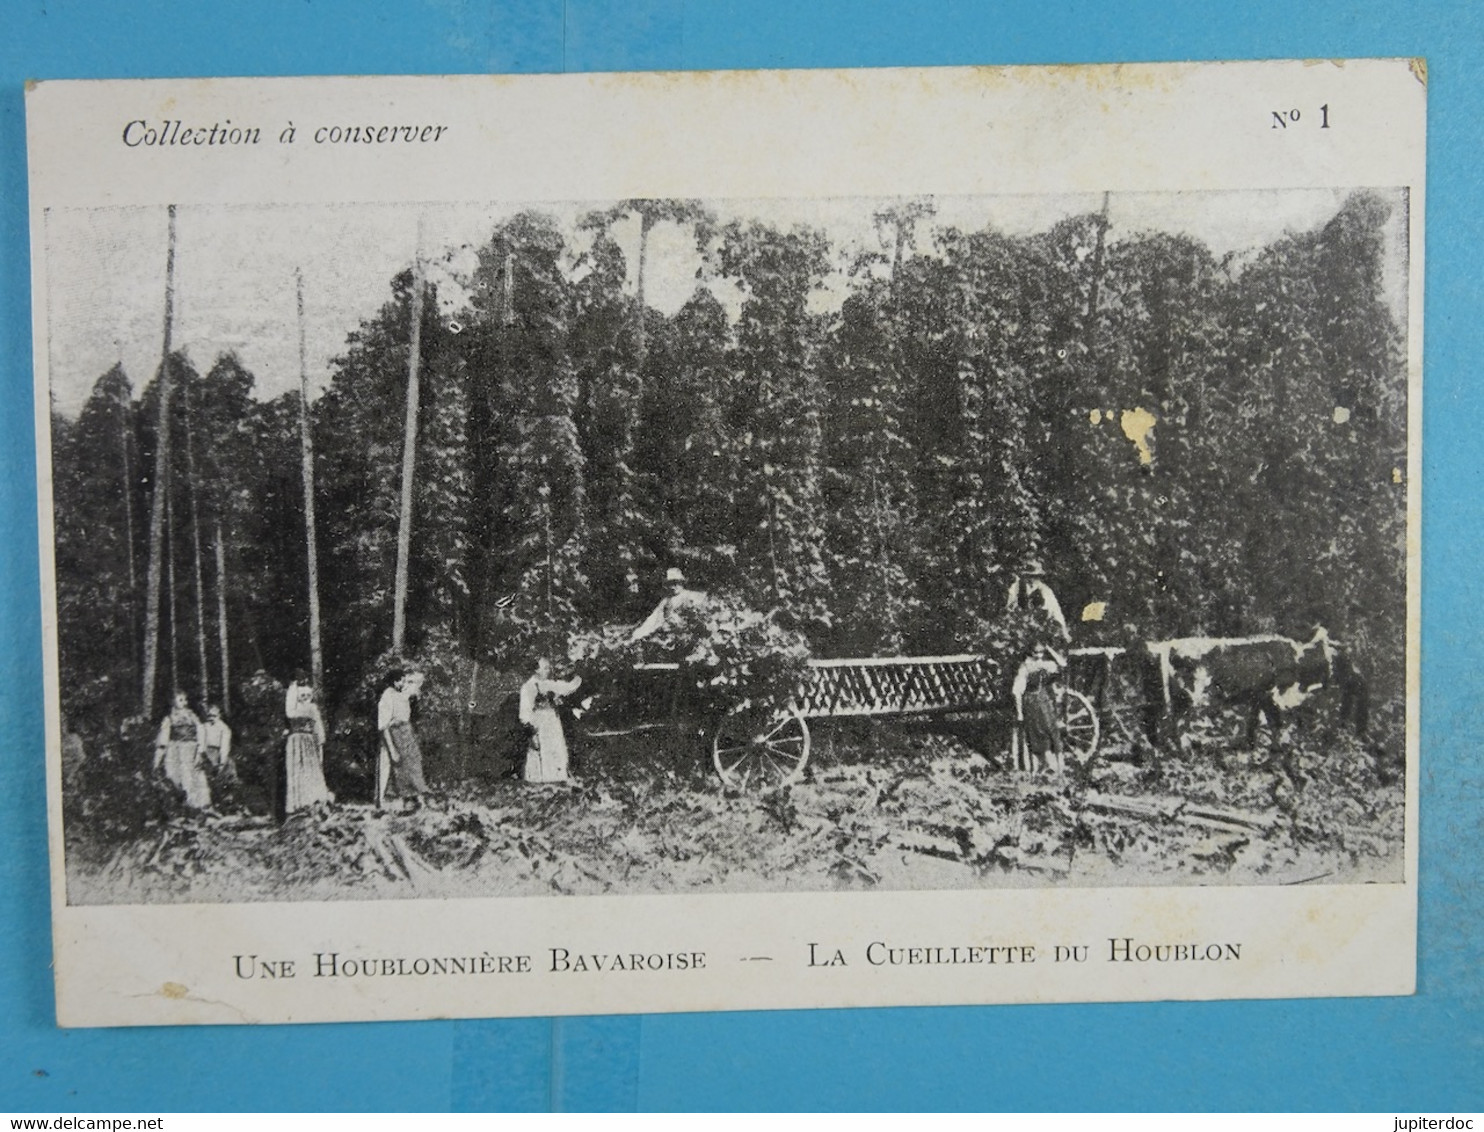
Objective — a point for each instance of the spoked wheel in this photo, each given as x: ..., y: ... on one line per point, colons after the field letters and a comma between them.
x: 1123, y: 728
x: 760, y: 751
x: 1079, y: 726
x: 1123, y: 716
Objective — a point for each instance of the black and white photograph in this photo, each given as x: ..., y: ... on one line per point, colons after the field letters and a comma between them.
x: 884, y: 538
x: 679, y: 545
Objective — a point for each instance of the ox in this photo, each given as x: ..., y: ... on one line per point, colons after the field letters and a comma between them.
x: 1265, y: 676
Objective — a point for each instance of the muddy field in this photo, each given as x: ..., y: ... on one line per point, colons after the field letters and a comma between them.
x: 878, y: 808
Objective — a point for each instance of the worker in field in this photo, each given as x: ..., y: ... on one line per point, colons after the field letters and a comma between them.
x: 1029, y: 592
x: 1037, y: 740
x: 400, y: 757
x: 671, y: 614
x: 221, y: 770
x: 546, y: 753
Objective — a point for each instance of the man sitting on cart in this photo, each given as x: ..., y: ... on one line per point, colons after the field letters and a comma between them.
x: 673, y: 611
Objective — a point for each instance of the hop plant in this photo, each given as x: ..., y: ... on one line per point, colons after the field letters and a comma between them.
x: 737, y: 656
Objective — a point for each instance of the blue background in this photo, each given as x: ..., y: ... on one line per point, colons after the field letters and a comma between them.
x: 1425, y: 1052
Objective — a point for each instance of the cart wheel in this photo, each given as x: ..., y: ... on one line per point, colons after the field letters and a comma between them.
x: 1124, y: 728
x: 753, y: 751
x: 1123, y: 716
x: 1079, y: 726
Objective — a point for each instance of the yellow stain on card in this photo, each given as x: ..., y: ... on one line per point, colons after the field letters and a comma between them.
x: 1137, y: 424
x: 1094, y: 610
x: 1396, y: 475
x: 174, y: 990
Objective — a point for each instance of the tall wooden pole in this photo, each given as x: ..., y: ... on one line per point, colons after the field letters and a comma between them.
x: 195, y: 486
x: 159, y: 493
x: 409, y: 453
x: 641, y: 343
x: 127, y: 467
x: 1097, y: 282
x: 306, y: 447
x: 221, y: 619
x: 170, y: 592
x: 550, y: 569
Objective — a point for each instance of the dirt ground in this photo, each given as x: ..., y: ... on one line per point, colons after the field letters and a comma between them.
x: 879, y: 807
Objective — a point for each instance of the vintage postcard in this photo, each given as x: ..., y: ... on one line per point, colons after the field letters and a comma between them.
x: 655, y: 542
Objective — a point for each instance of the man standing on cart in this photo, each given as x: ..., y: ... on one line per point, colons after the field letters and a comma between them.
x: 671, y: 613
x: 1030, y: 593
x: 674, y: 626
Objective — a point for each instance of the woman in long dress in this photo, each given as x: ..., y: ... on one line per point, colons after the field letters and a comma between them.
x: 179, y: 750
x: 1034, y: 693
x: 399, y: 761
x: 216, y: 744
x: 304, y: 760
x: 546, y: 754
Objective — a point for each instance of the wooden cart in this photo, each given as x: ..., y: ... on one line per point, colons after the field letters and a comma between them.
x: 760, y: 750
